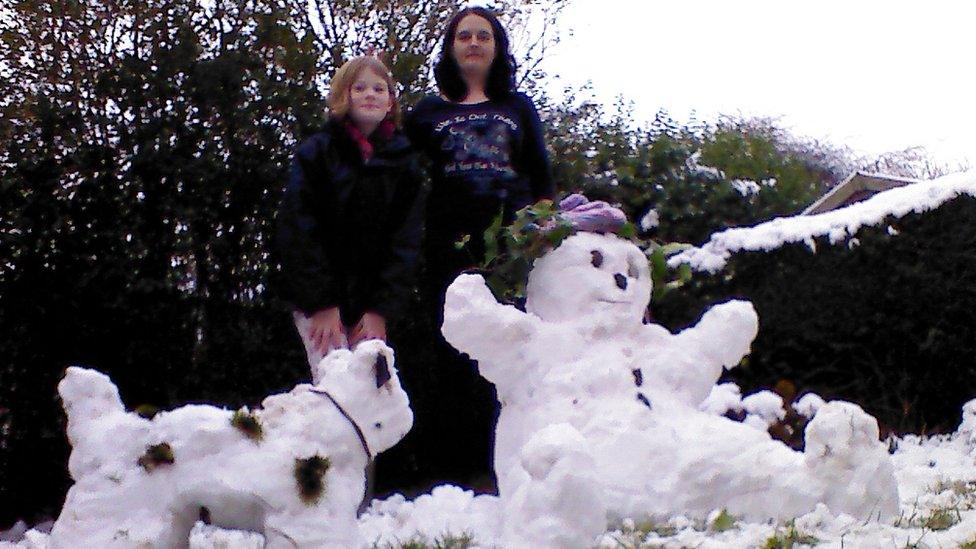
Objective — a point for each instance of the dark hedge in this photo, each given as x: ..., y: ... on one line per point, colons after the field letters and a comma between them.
x: 888, y: 322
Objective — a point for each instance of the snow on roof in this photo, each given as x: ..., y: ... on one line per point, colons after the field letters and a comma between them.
x: 858, y: 181
x: 837, y: 225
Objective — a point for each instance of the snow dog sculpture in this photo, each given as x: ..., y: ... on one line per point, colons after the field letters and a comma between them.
x: 600, y: 413
x: 293, y: 470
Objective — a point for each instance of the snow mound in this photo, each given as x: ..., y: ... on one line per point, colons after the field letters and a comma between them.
x: 936, y: 483
x: 446, y: 511
x: 764, y: 409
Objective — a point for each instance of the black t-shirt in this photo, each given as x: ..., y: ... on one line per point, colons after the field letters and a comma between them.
x: 484, y: 152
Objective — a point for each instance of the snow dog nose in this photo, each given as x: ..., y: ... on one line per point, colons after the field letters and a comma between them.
x: 621, y: 281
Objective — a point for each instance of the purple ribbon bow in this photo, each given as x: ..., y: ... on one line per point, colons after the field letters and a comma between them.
x: 594, y: 217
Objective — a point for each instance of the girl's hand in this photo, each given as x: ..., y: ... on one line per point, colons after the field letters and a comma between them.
x: 327, y: 332
x: 371, y: 326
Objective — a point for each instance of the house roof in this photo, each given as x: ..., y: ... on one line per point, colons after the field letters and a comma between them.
x: 857, y: 187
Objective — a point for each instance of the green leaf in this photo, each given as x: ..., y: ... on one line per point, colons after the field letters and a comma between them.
x: 491, y: 238
x: 724, y: 521
x: 658, y: 293
x: 558, y: 234
x: 659, y: 266
x: 628, y: 231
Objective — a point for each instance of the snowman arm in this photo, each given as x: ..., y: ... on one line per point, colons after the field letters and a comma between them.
x: 476, y: 324
x: 722, y: 337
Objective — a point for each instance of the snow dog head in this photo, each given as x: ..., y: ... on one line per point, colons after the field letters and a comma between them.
x: 368, y: 389
x: 293, y: 470
x: 590, y: 274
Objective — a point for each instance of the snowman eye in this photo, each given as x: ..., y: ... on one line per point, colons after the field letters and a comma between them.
x: 596, y: 258
x: 633, y: 271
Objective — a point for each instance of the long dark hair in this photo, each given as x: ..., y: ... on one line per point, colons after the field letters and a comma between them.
x: 501, y: 75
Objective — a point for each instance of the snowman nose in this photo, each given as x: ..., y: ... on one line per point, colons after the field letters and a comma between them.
x: 621, y: 281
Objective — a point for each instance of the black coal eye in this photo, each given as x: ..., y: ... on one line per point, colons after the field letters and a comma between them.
x: 597, y: 258
x: 633, y: 271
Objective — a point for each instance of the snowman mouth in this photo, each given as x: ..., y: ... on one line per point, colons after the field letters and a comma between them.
x: 612, y: 301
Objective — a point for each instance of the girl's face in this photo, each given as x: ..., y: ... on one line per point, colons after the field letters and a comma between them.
x: 370, y: 100
x: 474, y: 46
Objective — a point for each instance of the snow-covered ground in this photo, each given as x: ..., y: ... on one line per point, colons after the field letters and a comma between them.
x: 936, y: 481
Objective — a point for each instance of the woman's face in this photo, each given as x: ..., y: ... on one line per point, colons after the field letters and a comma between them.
x: 369, y: 99
x: 474, y: 46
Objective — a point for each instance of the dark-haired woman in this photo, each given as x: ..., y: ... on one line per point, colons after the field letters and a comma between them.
x: 484, y: 141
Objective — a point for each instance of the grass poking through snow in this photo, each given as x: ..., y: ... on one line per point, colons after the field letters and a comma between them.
x: 444, y: 541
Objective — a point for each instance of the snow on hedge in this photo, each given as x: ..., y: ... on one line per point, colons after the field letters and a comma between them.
x: 837, y: 225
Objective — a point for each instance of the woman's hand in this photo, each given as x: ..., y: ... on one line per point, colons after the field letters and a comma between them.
x: 327, y: 332
x: 371, y: 326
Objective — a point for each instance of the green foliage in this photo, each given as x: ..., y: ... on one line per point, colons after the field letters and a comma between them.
x: 155, y: 456
x: 510, y: 250
x: 661, y: 273
x: 789, y: 538
x: 687, y: 181
x: 310, y: 477
x: 939, y: 518
x: 723, y: 522
x: 697, y: 178
x: 942, y: 518
x: 444, y: 541
x: 633, y: 535
x: 248, y: 423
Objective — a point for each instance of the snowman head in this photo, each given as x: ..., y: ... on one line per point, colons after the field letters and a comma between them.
x: 590, y: 278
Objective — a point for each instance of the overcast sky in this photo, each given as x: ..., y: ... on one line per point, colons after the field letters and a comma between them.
x: 876, y: 76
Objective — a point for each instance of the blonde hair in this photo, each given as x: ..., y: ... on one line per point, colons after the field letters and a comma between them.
x: 338, y: 98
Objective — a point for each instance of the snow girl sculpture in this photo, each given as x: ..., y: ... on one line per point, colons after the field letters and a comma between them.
x: 600, y: 411
x: 293, y: 470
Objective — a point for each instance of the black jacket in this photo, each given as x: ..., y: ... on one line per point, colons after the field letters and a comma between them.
x: 349, y: 232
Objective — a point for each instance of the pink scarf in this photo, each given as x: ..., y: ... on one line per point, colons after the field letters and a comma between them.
x: 384, y: 131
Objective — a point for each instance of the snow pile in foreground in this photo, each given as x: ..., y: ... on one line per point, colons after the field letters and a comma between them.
x: 936, y: 481
x: 837, y: 225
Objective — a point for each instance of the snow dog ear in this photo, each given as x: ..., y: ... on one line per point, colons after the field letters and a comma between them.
x: 382, y: 370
